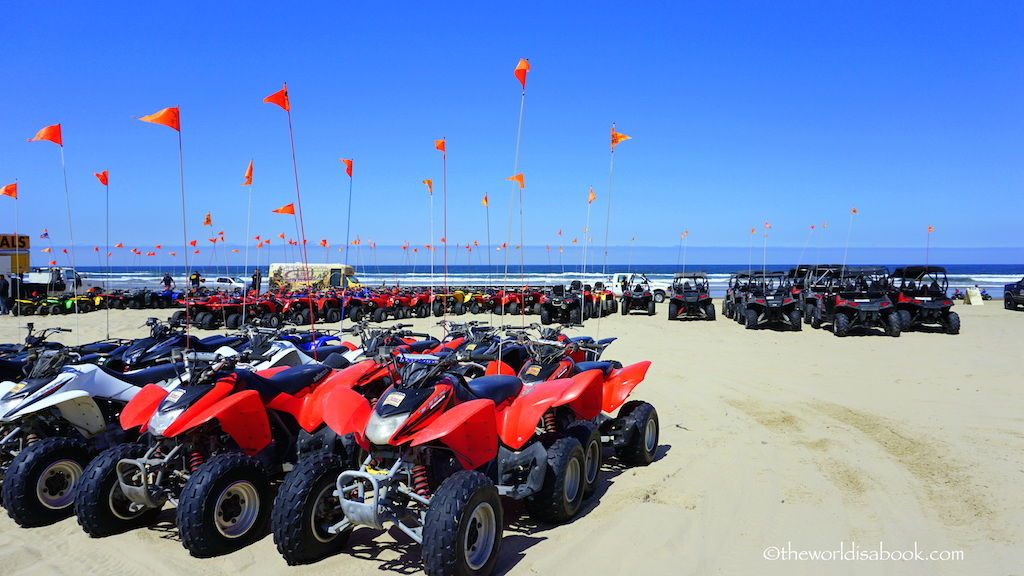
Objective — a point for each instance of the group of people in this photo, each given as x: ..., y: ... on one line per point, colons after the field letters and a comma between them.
x: 195, y: 279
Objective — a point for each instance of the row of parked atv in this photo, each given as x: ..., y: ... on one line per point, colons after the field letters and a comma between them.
x: 845, y: 297
x: 95, y: 299
x: 317, y: 436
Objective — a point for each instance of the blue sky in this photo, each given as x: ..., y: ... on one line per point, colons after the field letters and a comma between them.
x: 741, y: 113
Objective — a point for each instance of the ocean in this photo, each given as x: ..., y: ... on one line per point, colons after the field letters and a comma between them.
x: 992, y: 277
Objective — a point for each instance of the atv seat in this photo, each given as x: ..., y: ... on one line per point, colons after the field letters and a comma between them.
x: 422, y: 346
x: 495, y: 388
x: 604, y: 367
x: 147, y: 375
x: 212, y: 343
x: 323, y: 352
x: 290, y: 381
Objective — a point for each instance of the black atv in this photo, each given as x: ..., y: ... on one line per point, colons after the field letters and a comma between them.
x: 769, y: 299
x: 640, y: 297
x: 812, y: 287
x: 858, y: 296
x: 690, y: 297
x: 920, y: 294
x: 732, y: 304
x: 562, y: 306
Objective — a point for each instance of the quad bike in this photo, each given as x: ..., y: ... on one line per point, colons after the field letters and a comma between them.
x: 690, y: 297
x: 919, y: 293
x: 442, y: 450
x: 561, y: 306
x: 639, y: 298
x: 769, y: 299
x: 164, y: 338
x: 53, y: 422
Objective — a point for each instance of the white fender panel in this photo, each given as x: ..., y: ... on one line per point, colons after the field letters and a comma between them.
x: 76, y: 406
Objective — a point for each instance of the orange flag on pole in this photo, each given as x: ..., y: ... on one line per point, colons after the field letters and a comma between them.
x: 10, y: 190
x: 119, y: 245
x: 484, y: 201
x: 592, y: 196
x: 192, y: 242
x: 440, y: 145
x: 518, y: 178
x: 45, y: 250
x: 853, y: 210
x: 348, y: 166
x: 931, y: 229
x: 51, y: 133
x: 207, y: 221
x: 289, y: 209
x: 280, y: 98
x: 102, y: 177
x: 169, y: 117
x: 248, y: 175
x: 430, y: 186
x: 752, y: 231
x: 521, y: 69
x: 616, y: 137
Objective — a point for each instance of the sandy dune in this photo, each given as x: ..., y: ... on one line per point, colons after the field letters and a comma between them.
x: 796, y: 440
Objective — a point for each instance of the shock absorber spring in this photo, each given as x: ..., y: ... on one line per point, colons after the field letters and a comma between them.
x: 420, y: 484
x: 195, y: 460
x: 549, y: 421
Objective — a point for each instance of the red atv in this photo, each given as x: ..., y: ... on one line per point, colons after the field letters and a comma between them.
x: 442, y: 449
x: 217, y: 443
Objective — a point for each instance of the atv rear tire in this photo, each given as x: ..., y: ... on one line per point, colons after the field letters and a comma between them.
x: 625, y: 308
x: 305, y: 507
x: 794, y: 319
x: 474, y: 308
x: 233, y: 321
x: 673, y: 310
x: 100, y: 505
x: 224, y: 506
x: 438, y: 308
x: 537, y: 308
x: 841, y: 324
x: 560, y: 497
x: 710, y: 311
x: 513, y: 308
x: 642, y: 446
x: 751, y: 319
x: 332, y: 316
x: 39, y: 486
x: 575, y: 316
x: 272, y: 320
x: 178, y: 317
x: 589, y: 437
x: 952, y: 323
x: 892, y: 325
x: 906, y: 320
x: 355, y: 314
x: 462, y: 527
x: 816, y: 319
x: 378, y: 315
x: 545, y: 316
x: 651, y: 308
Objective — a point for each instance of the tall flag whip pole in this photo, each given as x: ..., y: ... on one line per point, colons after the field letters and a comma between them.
x: 522, y: 68
x: 442, y: 146
x: 586, y: 230
x: 348, y: 231
x: 104, y: 179
x: 616, y: 138
x: 248, y: 231
x: 11, y: 190
x: 853, y: 212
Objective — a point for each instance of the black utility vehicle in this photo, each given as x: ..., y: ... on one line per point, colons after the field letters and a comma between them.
x: 562, y: 306
x: 689, y: 297
x: 769, y: 299
x: 858, y: 296
x: 920, y: 295
x: 732, y: 304
x: 812, y: 287
x: 639, y: 297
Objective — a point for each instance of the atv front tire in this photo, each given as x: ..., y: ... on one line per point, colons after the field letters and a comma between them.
x: 841, y: 324
x: 305, y: 507
x: 100, y: 505
x: 39, y: 486
x: 751, y: 319
x: 892, y: 325
x: 952, y: 323
x: 794, y: 319
x: 462, y: 527
x: 642, y: 446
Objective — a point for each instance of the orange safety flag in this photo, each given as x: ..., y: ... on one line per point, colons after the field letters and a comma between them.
x: 45, y: 250
x: 518, y: 178
x: 119, y: 245
x: 521, y: 69
x: 168, y: 117
x: 853, y: 210
x: 207, y: 221
x: 574, y: 240
x: 430, y: 186
x: 150, y: 253
x: 548, y: 247
x: 171, y: 253
x: 439, y: 144
x: 53, y: 262
x: 65, y: 250
x: 767, y: 225
x: 158, y: 246
x: 591, y: 198
x: 504, y: 245
x: 616, y: 137
x: 633, y: 239
x: 10, y: 190
x: 560, y: 249
x: 214, y: 240
x: 415, y: 249
x: 323, y: 242
x: 484, y: 201
x: 235, y: 250
x: 812, y: 226
x: 281, y: 236
x: 192, y: 243
x: 753, y: 231
x: 443, y: 241
x: 824, y: 224
x: 931, y: 229
x: 248, y: 175
x: 96, y: 249
x: 257, y: 237
x: 475, y: 243
x: 288, y: 209
x: 51, y: 133
x: 102, y: 177
x: 348, y: 166
x: 559, y: 231
x: 280, y: 98
x: 196, y: 252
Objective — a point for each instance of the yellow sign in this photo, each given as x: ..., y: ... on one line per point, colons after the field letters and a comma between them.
x: 12, y: 242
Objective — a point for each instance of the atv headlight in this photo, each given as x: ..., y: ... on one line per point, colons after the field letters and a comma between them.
x: 163, y: 420
x: 379, y: 429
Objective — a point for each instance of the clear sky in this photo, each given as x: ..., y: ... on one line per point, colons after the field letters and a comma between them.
x: 740, y: 113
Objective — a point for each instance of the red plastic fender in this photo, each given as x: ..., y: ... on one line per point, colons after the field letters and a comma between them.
x: 499, y: 367
x: 454, y: 343
x: 345, y: 411
x: 308, y: 409
x: 518, y: 422
x: 585, y: 394
x: 242, y: 416
x: 469, y: 429
x: 140, y: 408
x: 618, y: 387
x: 350, y: 345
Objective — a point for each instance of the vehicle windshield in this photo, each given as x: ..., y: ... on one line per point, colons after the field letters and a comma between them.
x: 926, y: 284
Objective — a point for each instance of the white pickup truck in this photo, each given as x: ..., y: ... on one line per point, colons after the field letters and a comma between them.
x: 55, y: 281
x: 614, y: 282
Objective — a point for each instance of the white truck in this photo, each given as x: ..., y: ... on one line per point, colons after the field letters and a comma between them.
x: 615, y: 281
x: 55, y: 281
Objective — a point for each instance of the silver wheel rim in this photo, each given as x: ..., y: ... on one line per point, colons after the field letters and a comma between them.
x: 325, y: 510
x: 592, y: 463
x: 650, y: 435
x: 481, y: 533
x: 236, y: 509
x: 56, y: 485
x: 572, y: 480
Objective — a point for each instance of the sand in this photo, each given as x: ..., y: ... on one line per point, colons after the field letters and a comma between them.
x: 800, y: 441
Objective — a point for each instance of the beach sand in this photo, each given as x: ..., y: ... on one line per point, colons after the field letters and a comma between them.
x: 800, y: 441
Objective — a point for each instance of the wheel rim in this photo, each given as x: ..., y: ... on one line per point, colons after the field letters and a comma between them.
x: 56, y: 486
x: 593, y: 461
x: 121, y: 506
x: 236, y: 509
x: 326, y: 513
x: 480, y: 535
x: 651, y: 435
x: 573, y: 476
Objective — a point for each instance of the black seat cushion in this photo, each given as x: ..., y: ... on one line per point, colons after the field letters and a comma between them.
x: 290, y: 381
x: 604, y: 367
x: 148, y: 375
x: 496, y: 388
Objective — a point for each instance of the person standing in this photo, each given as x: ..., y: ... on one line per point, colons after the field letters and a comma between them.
x: 257, y: 280
x: 5, y: 292
x: 168, y: 281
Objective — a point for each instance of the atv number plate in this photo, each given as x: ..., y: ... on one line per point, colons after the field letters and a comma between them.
x: 394, y: 399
